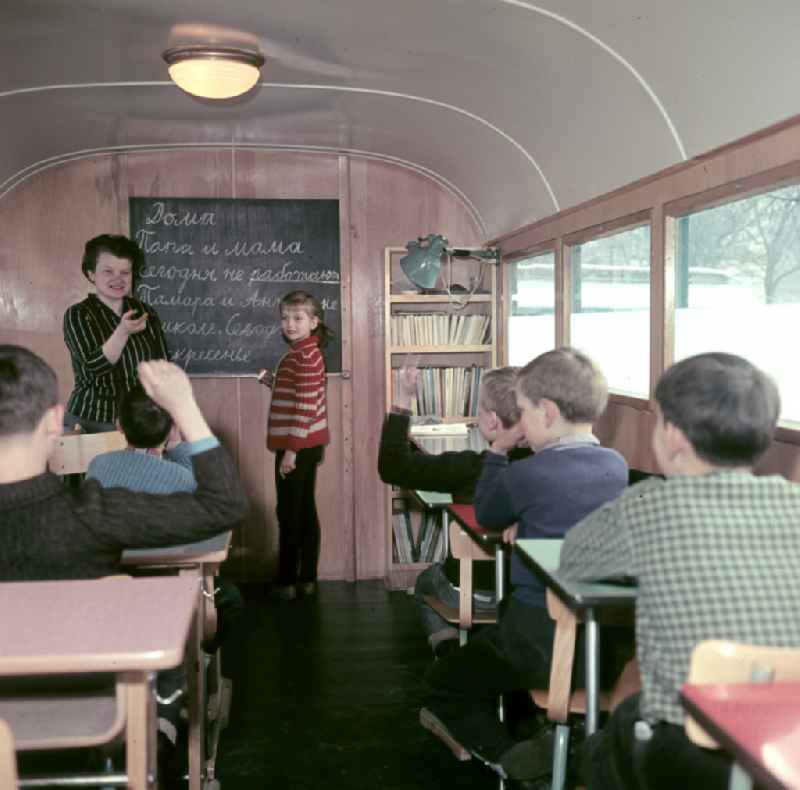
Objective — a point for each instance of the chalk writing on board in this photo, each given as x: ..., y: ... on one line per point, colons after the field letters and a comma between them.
x: 216, y: 270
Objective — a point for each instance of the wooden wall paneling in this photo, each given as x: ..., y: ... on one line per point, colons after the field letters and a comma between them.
x: 46, y: 221
x: 628, y: 429
x: 367, y: 328
x: 659, y: 288
x: 347, y: 490
x: 270, y: 174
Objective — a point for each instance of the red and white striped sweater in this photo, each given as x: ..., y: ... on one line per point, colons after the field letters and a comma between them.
x: 297, y: 415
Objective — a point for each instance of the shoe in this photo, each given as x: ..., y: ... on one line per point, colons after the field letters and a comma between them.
x: 308, y: 588
x: 445, y: 647
x: 431, y: 723
x: 285, y: 592
x: 531, y: 759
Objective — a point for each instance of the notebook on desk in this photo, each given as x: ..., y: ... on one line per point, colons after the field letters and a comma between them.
x: 440, y: 429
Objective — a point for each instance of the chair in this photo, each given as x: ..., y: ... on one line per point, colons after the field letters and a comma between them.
x: 74, y: 451
x: 559, y: 699
x: 8, y: 760
x: 466, y: 551
x: 721, y: 661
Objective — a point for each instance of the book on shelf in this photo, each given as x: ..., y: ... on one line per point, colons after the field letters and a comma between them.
x: 427, y: 546
x: 439, y: 329
x: 446, y: 392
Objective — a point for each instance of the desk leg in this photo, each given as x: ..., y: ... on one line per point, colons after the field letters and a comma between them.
x: 500, y: 572
x: 592, y: 634
x: 195, y: 681
x: 140, y: 731
x: 446, y: 530
x: 499, y: 594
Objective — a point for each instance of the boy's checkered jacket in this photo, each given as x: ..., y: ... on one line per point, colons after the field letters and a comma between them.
x: 715, y: 557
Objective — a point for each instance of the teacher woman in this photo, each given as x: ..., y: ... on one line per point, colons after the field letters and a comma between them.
x: 108, y: 334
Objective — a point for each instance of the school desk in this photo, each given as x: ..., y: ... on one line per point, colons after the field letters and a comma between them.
x: 583, y: 597
x: 758, y: 724
x: 487, y: 540
x: 128, y: 628
x: 199, y: 561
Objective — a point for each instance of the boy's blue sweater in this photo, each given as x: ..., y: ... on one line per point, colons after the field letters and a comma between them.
x: 139, y: 471
x: 546, y: 494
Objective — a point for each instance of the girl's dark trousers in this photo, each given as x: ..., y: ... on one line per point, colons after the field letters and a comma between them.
x: 298, y: 524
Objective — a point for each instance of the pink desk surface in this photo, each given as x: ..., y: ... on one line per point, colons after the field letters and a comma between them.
x: 756, y: 723
x: 103, y: 625
x: 465, y: 516
x: 211, y: 550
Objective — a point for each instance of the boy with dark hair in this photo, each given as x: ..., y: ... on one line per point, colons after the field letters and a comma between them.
x: 149, y: 464
x: 715, y: 551
x: 401, y: 463
x: 560, y: 394
x: 47, y: 532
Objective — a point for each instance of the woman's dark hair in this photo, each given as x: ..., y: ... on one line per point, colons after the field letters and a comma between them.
x: 311, y: 304
x: 725, y: 406
x: 119, y: 247
x: 144, y: 423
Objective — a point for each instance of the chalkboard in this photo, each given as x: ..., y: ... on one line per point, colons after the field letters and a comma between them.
x: 216, y: 270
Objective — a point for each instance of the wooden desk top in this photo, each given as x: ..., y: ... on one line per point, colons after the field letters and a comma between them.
x: 756, y: 723
x: 465, y: 516
x: 543, y: 555
x: 202, y: 551
x: 101, y: 625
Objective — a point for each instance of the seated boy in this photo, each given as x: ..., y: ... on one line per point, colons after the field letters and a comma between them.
x: 47, y: 532
x: 560, y: 394
x: 150, y: 465
x: 401, y: 463
x: 715, y: 551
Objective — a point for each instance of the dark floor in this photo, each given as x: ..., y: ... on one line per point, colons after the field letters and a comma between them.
x: 327, y: 693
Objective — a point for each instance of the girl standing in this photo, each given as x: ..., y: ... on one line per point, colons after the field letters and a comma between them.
x: 297, y: 431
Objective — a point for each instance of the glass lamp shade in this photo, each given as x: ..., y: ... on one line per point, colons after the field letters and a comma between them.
x: 213, y: 73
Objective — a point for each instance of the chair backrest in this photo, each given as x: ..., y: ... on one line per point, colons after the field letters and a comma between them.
x: 74, y: 451
x: 721, y: 661
x: 8, y: 759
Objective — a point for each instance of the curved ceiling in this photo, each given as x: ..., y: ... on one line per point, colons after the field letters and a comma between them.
x: 521, y: 109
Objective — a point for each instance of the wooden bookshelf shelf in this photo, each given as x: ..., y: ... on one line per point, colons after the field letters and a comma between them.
x: 411, y: 298
x: 440, y: 349
x: 449, y: 361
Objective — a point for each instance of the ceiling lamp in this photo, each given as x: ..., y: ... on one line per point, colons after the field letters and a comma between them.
x: 214, y: 72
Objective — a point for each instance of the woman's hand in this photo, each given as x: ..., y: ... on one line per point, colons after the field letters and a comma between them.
x: 133, y: 322
x: 288, y: 463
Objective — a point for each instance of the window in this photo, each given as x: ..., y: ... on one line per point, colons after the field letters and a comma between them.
x: 737, y: 285
x: 531, y: 325
x: 611, y: 307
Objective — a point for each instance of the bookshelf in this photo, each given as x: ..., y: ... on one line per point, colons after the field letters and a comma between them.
x: 452, y: 338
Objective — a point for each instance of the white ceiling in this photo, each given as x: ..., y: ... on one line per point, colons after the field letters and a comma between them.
x: 521, y: 109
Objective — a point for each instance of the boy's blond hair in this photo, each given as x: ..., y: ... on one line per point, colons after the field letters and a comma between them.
x: 497, y: 394
x: 570, y: 379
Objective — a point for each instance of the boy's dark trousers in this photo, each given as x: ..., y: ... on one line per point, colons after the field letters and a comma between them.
x: 616, y: 759
x: 462, y: 688
x: 298, y: 524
